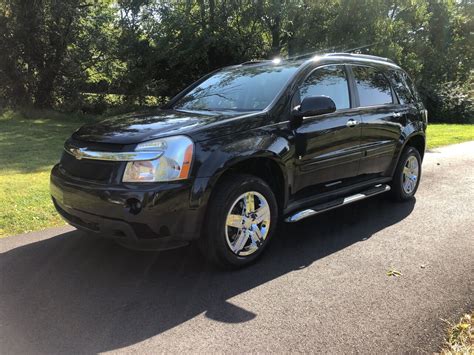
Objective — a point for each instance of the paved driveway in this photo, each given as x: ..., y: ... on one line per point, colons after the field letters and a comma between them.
x: 322, y: 285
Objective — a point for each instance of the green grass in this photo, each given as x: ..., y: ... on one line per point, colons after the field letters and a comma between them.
x: 444, y: 134
x: 30, y: 146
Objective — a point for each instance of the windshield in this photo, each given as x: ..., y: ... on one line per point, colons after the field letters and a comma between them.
x: 245, y: 88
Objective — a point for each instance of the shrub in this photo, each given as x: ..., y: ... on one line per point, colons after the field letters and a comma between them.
x: 450, y: 102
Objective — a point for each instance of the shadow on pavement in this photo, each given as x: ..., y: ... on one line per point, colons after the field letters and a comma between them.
x: 74, y: 293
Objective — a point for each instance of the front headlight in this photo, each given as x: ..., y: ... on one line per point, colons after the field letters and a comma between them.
x: 173, y: 163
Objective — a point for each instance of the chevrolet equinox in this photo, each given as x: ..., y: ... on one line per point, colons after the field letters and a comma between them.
x: 242, y: 149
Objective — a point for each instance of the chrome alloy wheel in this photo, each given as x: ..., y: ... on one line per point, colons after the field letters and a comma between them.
x: 247, y: 223
x: 410, y: 175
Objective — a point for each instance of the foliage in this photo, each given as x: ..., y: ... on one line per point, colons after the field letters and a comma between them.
x: 452, y: 102
x: 71, y: 54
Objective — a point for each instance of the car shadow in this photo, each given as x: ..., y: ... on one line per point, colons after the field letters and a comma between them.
x: 77, y: 294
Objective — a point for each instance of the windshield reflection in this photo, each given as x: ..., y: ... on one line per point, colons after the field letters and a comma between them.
x: 243, y: 88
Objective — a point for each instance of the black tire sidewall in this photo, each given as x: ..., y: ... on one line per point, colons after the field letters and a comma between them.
x: 225, y: 195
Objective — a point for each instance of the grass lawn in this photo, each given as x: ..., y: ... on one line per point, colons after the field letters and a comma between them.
x: 28, y: 149
x: 30, y: 146
x: 444, y: 134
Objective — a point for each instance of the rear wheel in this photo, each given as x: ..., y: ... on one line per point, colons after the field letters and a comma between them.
x: 407, y: 175
x: 240, y: 222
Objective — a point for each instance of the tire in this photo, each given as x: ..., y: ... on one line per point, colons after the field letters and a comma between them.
x: 219, y: 236
x: 402, y: 191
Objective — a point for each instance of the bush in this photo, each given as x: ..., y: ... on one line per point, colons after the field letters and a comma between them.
x: 108, y: 104
x: 450, y: 103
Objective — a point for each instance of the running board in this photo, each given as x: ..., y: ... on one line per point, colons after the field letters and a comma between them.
x: 298, y: 216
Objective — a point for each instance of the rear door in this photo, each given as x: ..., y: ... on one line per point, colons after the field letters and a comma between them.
x: 382, y: 120
x: 408, y: 109
x: 327, y: 146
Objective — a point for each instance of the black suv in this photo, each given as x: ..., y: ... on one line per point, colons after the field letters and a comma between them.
x: 242, y: 149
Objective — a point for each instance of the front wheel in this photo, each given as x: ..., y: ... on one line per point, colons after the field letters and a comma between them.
x: 407, y: 175
x: 240, y: 222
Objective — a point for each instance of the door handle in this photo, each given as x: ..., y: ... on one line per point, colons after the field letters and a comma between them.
x: 397, y: 115
x: 352, y: 123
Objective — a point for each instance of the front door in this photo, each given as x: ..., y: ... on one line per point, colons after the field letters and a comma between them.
x: 327, y: 146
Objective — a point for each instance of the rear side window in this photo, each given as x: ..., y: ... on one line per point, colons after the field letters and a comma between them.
x: 372, y: 86
x: 401, y: 88
x: 328, y: 81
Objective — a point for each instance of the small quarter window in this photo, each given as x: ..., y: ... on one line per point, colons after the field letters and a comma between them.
x: 412, y: 88
x: 372, y: 86
x: 400, y: 87
x: 328, y: 81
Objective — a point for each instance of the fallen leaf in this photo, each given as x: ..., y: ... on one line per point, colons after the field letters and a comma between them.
x: 393, y: 272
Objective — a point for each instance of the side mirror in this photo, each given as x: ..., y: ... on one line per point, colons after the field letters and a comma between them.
x: 314, y: 106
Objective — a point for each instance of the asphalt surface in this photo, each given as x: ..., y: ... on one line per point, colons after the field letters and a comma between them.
x: 321, y: 286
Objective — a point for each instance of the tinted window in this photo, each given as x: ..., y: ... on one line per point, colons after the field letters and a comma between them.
x: 244, y: 88
x: 328, y: 81
x: 401, y: 87
x: 372, y: 86
x: 412, y: 88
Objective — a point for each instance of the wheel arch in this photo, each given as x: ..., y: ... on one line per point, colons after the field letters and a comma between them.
x: 265, y: 165
x: 416, y: 140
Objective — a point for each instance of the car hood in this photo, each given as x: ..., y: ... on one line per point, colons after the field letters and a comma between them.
x: 138, y: 127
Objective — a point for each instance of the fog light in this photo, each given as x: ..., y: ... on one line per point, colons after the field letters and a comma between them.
x: 133, y: 206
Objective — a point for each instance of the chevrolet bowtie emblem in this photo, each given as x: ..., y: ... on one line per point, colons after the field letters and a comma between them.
x: 78, y: 153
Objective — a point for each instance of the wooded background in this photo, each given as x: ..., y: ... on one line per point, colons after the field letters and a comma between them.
x: 105, y: 56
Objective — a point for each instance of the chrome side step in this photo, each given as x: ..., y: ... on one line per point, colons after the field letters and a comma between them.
x: 298, y: 216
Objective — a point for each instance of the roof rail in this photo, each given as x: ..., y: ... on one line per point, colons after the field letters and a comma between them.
x: 255, y: 61
x: 314, y: 53
x: 357, y: 55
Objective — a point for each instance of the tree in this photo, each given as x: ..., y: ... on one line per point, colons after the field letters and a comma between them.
x: 38, y: 39
x: 69, y: 54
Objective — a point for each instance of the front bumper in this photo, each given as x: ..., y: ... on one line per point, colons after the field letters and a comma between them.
x: 143, y: 216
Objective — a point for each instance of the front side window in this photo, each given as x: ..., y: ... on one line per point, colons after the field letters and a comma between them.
x: 328, y: 81
x: 372, y: 86
x: 243, y: 88
x: 400, y: 87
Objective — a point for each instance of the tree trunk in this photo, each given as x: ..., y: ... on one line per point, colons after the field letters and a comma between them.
x: 51, y: 68
x: 275, y: 28
x: 276, y: 36
x: 44, y: 92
